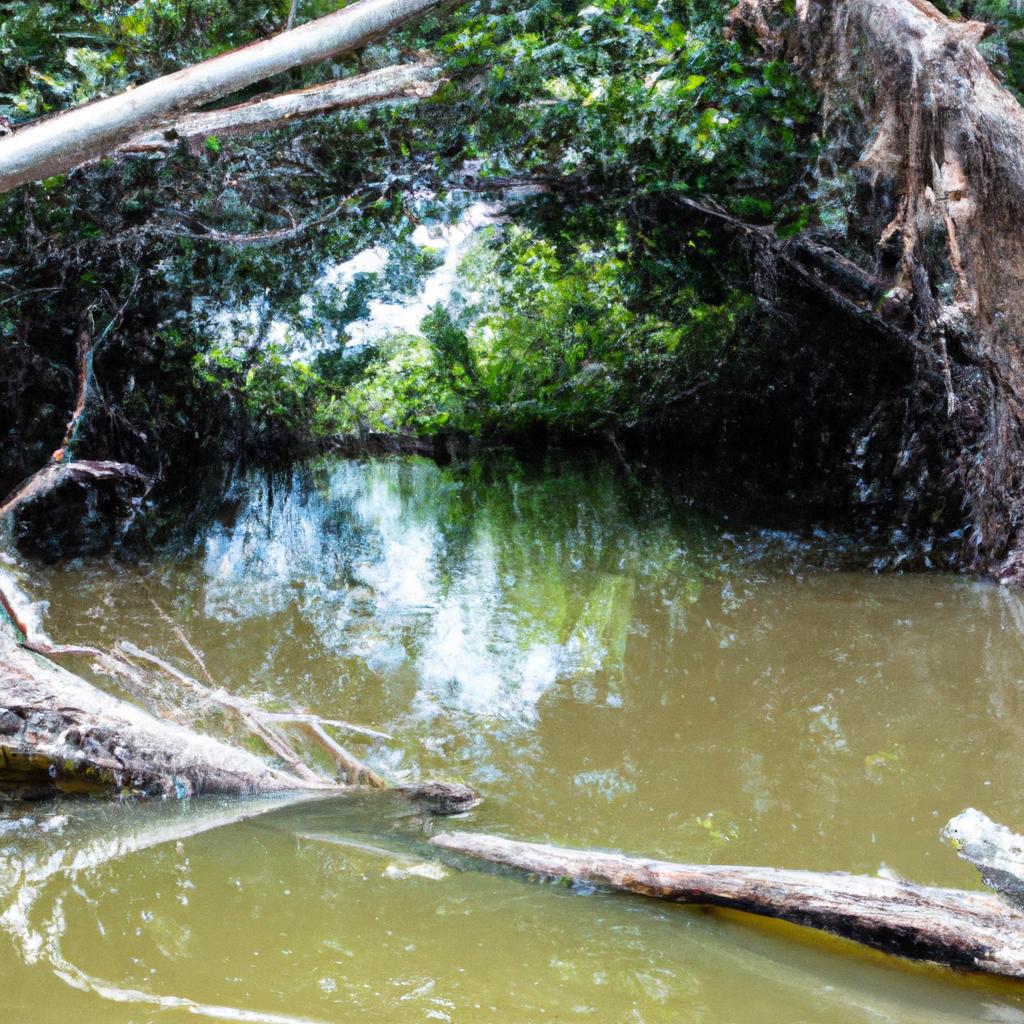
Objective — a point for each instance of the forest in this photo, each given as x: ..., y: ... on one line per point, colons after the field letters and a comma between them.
x: 600, y: 424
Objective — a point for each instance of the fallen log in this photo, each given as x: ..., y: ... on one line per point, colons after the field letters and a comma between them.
x: 59, y: 733
x: 968, y: 931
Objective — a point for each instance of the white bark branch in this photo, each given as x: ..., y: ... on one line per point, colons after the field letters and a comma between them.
x: 411, y: 81
x: 62, y: 142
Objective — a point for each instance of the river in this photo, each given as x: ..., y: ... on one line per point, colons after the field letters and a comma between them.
x: 609, y: 668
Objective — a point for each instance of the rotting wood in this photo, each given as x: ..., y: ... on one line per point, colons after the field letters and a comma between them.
x: 968, y: 931
x: 58, y: 732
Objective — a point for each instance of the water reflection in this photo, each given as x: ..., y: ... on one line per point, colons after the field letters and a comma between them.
x: 610, y: 671
x: 396, y: 561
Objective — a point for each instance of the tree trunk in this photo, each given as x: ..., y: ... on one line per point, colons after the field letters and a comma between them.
x: 59, y: 143
x: 932, y: 145
x: 965, y: 930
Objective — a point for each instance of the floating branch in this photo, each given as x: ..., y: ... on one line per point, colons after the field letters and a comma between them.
x: 969, y: 931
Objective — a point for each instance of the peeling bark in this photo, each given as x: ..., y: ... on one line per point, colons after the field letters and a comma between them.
x: 934, y: 147
x: 60, y: 733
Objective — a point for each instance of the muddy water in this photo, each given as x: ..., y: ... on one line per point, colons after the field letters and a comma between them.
x: 609, y: 671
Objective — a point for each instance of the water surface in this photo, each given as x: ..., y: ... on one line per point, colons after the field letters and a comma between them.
x: 608, y: 669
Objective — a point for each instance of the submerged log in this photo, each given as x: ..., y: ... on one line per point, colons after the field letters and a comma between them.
x: 969, y: 931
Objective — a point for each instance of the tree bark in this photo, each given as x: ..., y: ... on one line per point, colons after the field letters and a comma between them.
x: 412, y: 81
x: 59, y: 732
x: 933, y: 145
x: 965, y: 930
x: 59, y: 143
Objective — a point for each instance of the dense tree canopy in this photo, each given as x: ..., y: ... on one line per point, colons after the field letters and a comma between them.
x: 604, y: 305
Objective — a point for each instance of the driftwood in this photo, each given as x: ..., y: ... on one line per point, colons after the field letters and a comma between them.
x: 969, y: 931
x: 60, y: 733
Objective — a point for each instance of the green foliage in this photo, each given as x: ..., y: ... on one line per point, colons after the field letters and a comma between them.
x: 631, y: 99
x: 600, y: 310
x: 60, y: 53
x: 557, y: 340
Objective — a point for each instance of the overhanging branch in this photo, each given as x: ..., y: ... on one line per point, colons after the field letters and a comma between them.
x: 57, y: 144
x: 402, y: 81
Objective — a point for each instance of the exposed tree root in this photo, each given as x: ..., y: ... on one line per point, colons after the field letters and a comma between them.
x: 125, y: 482
x: 934, y: 147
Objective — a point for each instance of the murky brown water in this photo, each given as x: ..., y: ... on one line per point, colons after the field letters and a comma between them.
x: 608, y: 672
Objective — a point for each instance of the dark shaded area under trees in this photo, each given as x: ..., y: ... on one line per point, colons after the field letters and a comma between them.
x: 696, y: 273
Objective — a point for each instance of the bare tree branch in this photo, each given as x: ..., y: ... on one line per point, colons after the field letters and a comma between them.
x: 259, y: 238
x: 59, y: 143
x: 403, y: 81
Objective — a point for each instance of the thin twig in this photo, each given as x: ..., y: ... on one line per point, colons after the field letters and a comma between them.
x: 12, y: 613
x: 180, y: 634
x: 261, y: 723
x: 84, y: 375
